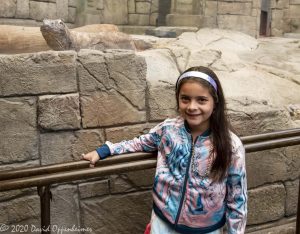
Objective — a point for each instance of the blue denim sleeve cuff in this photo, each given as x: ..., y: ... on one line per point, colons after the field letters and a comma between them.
x: 103, y: 151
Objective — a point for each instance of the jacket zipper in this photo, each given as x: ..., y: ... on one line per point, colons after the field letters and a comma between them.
x: 185, y: 182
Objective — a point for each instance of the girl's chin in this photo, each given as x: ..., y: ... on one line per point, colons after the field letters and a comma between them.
x: 196, y: 123
x: 192, y: 122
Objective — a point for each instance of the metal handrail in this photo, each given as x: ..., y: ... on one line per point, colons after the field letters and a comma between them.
x: 272, y: 144
x: 271, y: 135
x: 123, y: 163
x: 41, y: 180
x: 42, y: 177
x: 69, y: 166
x: 288, y: 140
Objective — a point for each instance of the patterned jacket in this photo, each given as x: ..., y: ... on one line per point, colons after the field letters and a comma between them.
x: 183, y: 195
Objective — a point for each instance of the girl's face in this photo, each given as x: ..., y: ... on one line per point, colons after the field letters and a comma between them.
x: 196, y: 105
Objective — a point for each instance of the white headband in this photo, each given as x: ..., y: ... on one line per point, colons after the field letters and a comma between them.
x: 197, y: 74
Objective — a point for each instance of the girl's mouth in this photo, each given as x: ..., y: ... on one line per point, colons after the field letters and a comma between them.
x: 192, y: 115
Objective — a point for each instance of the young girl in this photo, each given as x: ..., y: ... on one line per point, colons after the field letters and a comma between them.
x: 200, y: 180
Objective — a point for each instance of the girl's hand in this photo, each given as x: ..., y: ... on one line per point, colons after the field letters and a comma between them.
x: 93, y: 157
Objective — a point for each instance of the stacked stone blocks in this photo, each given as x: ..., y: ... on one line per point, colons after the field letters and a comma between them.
x: 54, y: 106
x: 243, y: 15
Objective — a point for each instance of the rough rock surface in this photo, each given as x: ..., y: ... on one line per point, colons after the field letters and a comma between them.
x: 246, y: 66
x: 56, y: 105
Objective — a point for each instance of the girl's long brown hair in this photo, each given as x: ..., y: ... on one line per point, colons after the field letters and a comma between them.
x: 219, y: 124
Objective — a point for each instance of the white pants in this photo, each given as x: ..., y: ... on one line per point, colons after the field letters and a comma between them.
x: 160, y: 227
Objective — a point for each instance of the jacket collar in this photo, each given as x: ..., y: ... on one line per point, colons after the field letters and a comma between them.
x: 206, y: 133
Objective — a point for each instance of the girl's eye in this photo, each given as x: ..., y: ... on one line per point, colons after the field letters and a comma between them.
x: 184, y: 98
x: 201, y: 99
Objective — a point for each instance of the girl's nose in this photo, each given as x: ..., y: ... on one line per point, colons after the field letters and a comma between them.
x: 192, y: 105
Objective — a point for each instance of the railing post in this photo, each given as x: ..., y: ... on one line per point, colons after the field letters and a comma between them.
x: 298, y: 212
x: 45, y: 197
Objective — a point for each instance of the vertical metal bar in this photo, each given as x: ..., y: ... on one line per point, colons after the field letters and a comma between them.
x: 45, y: 197
x: 298, y: 212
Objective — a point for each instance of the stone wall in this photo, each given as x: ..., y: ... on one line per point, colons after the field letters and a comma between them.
x: 80, y: 12
x: 56, y: 105
x: 243, y: 15
x: 32, y: 12
x: 136, y: 16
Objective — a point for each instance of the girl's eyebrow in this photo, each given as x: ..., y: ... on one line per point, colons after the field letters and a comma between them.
x: 186, y: 95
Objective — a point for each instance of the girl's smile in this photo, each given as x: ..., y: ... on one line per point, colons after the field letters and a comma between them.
x: 196, y: 105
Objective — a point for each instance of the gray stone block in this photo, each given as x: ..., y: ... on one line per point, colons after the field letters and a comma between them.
x: 132, y: 181
x: 162, y: 74
x: 41, y: 10
x: 138, y: 19
x: 246, y: 24
x: 57, y: 147
x: 118, y: 134
x: 289, y: 228
x: 211, y: 8
x: 93, y: 189
x: 107, y: 108
x: 22, y: 10
x: 18, y: 130
x: 278, y: 165
x: 293, y: 161
x: 184, y: 20
x: 131, y: 6
x: 143, y: 7
x: 58, y: 112
x: 87, y: 141
x: 64, y: 208
x: 115, y: 11
x: 62, y: 10
x: 92, y: 71
x: 250, y: 116
x: 292, y: 193
x: 71, y: 15
x: 184, y: 7
x: 23, y: 22
x: 122, y: 98
x: 132, y: 212
x: 266, y: 204
x: 39, y: 73
x: 15, y: 194
x: 8, y: 9
x: 153, y: 21
x: 235, y: 8
x: 73, y: 3
x: 162, y: 102
x: 23, y: 210
x: 279, y: 4
x: 295, y: 2
x: 155, y: 6
x: 274, y: 166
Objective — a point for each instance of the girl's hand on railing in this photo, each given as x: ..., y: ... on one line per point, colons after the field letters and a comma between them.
x: 93, y: 157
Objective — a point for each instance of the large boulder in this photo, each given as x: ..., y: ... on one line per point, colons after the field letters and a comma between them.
x: 248, y: 68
